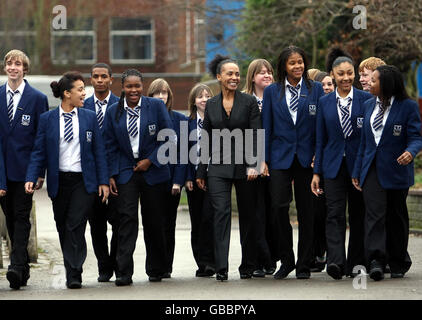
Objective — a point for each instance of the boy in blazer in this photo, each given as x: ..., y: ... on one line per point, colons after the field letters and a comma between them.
x: 20, y: 110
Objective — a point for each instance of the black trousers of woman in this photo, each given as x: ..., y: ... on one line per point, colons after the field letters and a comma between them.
x: 281, y: 197
x: 71, y: 208
x: 386, y: 224
x: 171, y: 203
x: 152, y: 211
x: 202, y: 228
x: 339, y: 192
x: 220, y: 195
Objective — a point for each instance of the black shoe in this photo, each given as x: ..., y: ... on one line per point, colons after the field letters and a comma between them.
x: 303, y: 275
x: 334, y: 271
x: 396, y: 275
x: 123, y: 281
x: 25, y: 279
x: 15, y: 279
x: 245, y: 275
x: 208, y: 272
x: 105, y: 277
x: 269, y: 271
x: 154, y: 278
x: 283, y: 272
x: 74, y: 284
x: 387, y: 269
x: 221, y: 275
x: 259, y: 273
x: 319, y: 264
x: 376, y: 271
x: 166, y: 275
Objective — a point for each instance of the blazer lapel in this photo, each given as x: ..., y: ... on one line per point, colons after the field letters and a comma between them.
x: 303, y: 98
x: 390, y: 120
x: 144, y: 121
x: 54, y: 132
x: 26, y: 96
x: 82, y: 134
x: 333, y: 112
x: 124, y: 133
x: 4, y: 118
x: 284, y: 108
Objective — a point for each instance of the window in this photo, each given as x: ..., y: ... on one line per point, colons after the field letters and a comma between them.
x: 132, y: 40
x: 16, y: 34
x: 76, y: 44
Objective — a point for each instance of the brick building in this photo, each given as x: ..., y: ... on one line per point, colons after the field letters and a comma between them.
x: 161, y: 38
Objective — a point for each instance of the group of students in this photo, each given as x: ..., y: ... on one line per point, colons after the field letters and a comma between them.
x: 338, y: 146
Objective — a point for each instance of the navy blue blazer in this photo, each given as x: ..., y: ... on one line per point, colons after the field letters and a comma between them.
x: 402, y: 132
x: 46, y: 152
x: 18, y: 138
x: 154, y: 117
x: 284, y: 139
x: 330, y: 142
x: 89, y: 104
x: 190, y: 171
x: 177, y: 171
x: 3, y: 185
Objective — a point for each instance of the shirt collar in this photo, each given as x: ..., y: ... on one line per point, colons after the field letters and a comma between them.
x: 61, y: 111
x: 107, y: 99
x: 127, y: 106
x: 20, y: 88
x: 391, y: 101
x: 350, y: 95
x: 198, y: 116
x: 286, y: 82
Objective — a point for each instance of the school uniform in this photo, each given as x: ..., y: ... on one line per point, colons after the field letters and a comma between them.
x: 124, y: 150
x: 200, y: 209
x: 223, y: 172
x: 71, y: 147
x: 103, y: 212
x: 3, y: 185
x: 339, y: 125
x: 384, y: 182
x: 172, y: 201
x: 18, y: 128
x: 289, y: 120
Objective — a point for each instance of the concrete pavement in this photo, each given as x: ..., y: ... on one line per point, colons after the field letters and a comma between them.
x: 48, y: 280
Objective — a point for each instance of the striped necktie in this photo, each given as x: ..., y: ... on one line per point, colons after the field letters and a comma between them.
x: 294, y: 100
x: 377, y: 124
x: 100, y: 114
x: 259, y: 101
x: 346, y: 124
x: 68, y: 126
x: 10, y: 105
x: 134, y: 114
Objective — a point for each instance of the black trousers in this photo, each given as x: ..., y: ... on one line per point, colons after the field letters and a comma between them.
x: 386, y: 224
x: 220, y: 195
x: 339, y: 192
x: 17, y: 207
x: 171, y: 203
x: 320, y: 216
x: 152, y: 211
x: 71, y: 208
x: 100, y: 215
x: 281, y: 196
x: 265, y: 226
x: 202, y: 227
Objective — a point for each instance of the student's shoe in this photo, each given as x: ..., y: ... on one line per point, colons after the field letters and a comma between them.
x: 283, y: 272
x: 15, y: 279
x: 334, y: 271
x: 259, y: 273
x: 74, y: 284
x: 123, y: 281
x: 105, y: 277
x: 376, y: 272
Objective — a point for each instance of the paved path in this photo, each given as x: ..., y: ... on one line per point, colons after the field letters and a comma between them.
x: 47, y: 276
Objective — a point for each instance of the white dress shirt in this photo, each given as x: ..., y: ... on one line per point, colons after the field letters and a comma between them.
x: 198, y: 137
x: 17, y: 96
x: 343, y: 102
x: 377, y: 134
x: 69, y: 152
x: 104, y: 106
x: 134, y: 142
x: 289, y: 96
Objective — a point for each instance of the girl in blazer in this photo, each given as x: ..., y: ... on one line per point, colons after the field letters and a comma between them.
x: 289, y: 120
x: 132, y: 131
x: 259, y: 76
x: 70, y: 146
x: 230, y: 112
x: 339, y: 124
x: 200, y: 209
x: 160, y: 89
x: 384, y: 171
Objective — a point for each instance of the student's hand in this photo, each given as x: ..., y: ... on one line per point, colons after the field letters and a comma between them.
x: 405, y: 158
x: 2, y: 193
x: 356, y: 184
x: 201, y: 184
x: 189, y: 185
x: 29, y: 187
x: 264, y: 170
x: 104, y: 191
x: 316, y: 190
x: 175, y: 190
x: 142, y: 165
x: 39, y: 184
x: 113, y: 187
x: 252, y: 174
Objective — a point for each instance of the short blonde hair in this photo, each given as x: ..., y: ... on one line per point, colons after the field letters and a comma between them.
x: 255, y: 67
x: 18, y: 55
x: 312, y: 73
x: 159, y: 85
x: 371, y: 63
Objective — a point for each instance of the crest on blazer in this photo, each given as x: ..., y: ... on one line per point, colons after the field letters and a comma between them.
x: 89, y: 136
x: 359, y: 122
x: 312, y: 109
x: 26, y: 120
x: 396, y: 130
x: 151, y: 129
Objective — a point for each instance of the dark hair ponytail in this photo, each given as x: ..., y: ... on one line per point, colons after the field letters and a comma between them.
x: 336, y: 56
x: 65, y: 83
x: 216, y: 64
x: 125, y: 75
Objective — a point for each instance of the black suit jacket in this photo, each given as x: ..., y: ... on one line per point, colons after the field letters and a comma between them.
x: 222, y: 162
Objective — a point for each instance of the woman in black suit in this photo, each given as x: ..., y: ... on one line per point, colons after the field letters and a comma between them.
x: 231, y: 113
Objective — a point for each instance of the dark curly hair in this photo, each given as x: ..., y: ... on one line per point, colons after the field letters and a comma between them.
x: 215, y: 65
